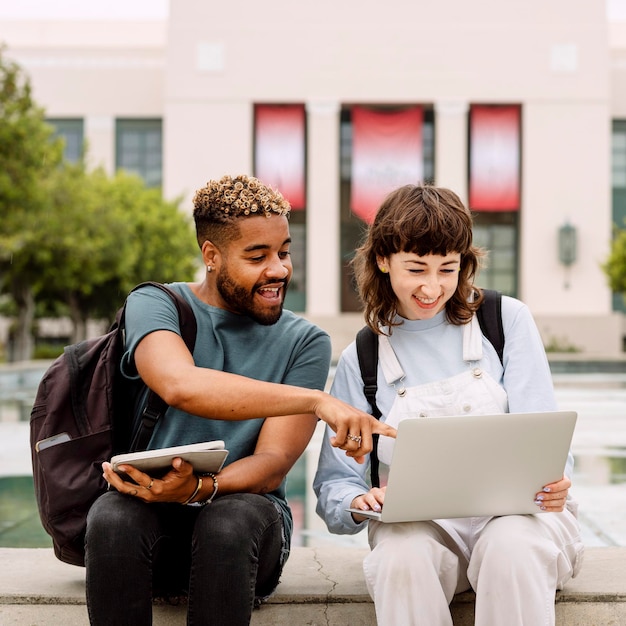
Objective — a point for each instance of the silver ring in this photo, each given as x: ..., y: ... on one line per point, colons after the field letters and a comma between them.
x: 355, y: 438
x: 150, y: 485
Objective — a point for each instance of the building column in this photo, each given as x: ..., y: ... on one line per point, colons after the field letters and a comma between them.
x: 322, y: 238
x: 451, y: 150
x: 100, y: 137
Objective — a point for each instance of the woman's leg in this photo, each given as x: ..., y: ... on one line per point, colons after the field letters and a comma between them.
x: 124, y: 538
x: 236, y: 549
x: 518, y: 563
x: 412, y: 573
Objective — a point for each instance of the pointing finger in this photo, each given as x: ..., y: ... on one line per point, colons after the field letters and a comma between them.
x: 384, y: 429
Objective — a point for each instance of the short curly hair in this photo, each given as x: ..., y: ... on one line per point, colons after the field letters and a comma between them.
x: 220, y: 204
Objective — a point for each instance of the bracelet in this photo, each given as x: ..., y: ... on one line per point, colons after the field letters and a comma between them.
x: 195, y: 492
x: 215, y: 485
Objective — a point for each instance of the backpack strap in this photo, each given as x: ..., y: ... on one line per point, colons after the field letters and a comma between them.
x: 155, y: 407
x: 489, y: 316
x: 367, y: 352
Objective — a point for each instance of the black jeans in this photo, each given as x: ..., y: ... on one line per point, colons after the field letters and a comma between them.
x: 224, y: 555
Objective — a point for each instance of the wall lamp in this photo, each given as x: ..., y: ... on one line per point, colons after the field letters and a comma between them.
x: 567, y: 246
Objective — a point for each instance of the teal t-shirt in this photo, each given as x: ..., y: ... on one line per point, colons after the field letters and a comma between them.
x: 293, y: 351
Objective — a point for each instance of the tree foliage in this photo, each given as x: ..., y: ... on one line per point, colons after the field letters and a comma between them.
x: 615, y: 265
x: 71, y: 240
x: 106, y: 234
x: 28, y: 154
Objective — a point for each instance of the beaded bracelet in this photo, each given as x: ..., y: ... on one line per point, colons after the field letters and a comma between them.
x: 215, y: 485
x: 196, y: 490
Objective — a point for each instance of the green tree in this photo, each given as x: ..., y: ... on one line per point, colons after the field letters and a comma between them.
x: 28, y: 154
x: 615, y: 265
x: 74, y: 241
x: 103, y: 236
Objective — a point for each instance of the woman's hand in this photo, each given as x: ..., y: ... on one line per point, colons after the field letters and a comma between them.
x: 370, y: 501
x: 176, y: 486
x: 553, y: 496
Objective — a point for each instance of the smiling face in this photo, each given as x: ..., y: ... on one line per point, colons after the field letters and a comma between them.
x: 422, y: 284
x: 252, y: 271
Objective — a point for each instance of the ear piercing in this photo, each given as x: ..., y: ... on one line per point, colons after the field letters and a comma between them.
x: 383, y: 269
x: 209, y: 269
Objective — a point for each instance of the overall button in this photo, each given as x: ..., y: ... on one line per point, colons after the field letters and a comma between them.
x: 402, y: 392
x: 467, y: 408
x: 477, y: 372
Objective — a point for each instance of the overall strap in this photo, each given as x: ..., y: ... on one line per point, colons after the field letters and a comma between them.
x: 489, y: 317
x: 367, y: 352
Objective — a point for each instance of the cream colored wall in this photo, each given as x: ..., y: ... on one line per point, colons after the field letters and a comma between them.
x: 566, y: 169
x: 617, y: 42
x: 93, y: 70
x: 359, y: 51
x: 451, y: 150
x: 204, y: 140
x: 323, y: 236
x: 203, y: 71
x: 554, y: 62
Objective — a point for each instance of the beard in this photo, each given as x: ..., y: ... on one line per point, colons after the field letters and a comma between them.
x: 240, y: 300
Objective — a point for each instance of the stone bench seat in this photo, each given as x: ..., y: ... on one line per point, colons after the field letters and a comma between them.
x: 320, y: 586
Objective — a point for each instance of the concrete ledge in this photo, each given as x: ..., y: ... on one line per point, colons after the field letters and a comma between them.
x: 320, y: 586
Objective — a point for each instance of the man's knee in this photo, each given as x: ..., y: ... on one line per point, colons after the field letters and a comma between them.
x: 113, y: 509
x: 237, y: 519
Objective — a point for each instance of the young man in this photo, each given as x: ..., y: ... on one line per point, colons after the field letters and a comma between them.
x: 254, y: 381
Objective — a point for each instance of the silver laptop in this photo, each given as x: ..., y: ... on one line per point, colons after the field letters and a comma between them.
x: 474, y: 465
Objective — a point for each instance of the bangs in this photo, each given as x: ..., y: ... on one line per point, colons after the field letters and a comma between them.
x: 425, y: 230
x: 440, y: 244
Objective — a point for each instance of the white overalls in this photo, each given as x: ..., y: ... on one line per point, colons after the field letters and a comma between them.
x: 514, y: 563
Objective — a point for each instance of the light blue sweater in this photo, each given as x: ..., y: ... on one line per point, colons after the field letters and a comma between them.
x: 431, y: 350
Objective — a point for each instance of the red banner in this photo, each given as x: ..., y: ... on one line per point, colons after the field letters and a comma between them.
x: 494, y: 158
x: 279, y: 150
x: 386, y: 154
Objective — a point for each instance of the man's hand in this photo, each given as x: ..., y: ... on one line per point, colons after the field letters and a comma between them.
x: 353, y: 428
x: 176, y: 486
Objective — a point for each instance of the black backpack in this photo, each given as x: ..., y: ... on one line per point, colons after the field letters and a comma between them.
x: 82, y: 415
x: 489, y: 317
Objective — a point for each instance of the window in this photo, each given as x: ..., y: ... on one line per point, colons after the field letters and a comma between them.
x: 279, y: 161
x: 295, y: 300
x: 139, y: 148
x: 71, y: 131
x: 352, y: 228
x: 497, y: 233
x: 494, y: 150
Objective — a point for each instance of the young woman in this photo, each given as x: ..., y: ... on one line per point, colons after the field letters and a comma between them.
x: 415, y: 276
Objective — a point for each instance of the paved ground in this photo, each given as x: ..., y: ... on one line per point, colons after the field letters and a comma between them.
x: 599, y: 446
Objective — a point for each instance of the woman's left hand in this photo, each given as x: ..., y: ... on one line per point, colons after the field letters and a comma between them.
x: 553, y: 496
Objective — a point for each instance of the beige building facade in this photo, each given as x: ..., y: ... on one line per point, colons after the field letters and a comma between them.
x: 196, y: 78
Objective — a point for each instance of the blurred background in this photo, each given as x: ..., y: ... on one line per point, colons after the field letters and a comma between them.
x: 519, y: 108
x: 114, y: 112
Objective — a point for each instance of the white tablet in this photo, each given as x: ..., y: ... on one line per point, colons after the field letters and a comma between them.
x: 208, y: 456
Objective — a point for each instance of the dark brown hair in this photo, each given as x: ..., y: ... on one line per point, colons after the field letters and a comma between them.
x: 422, y: 220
